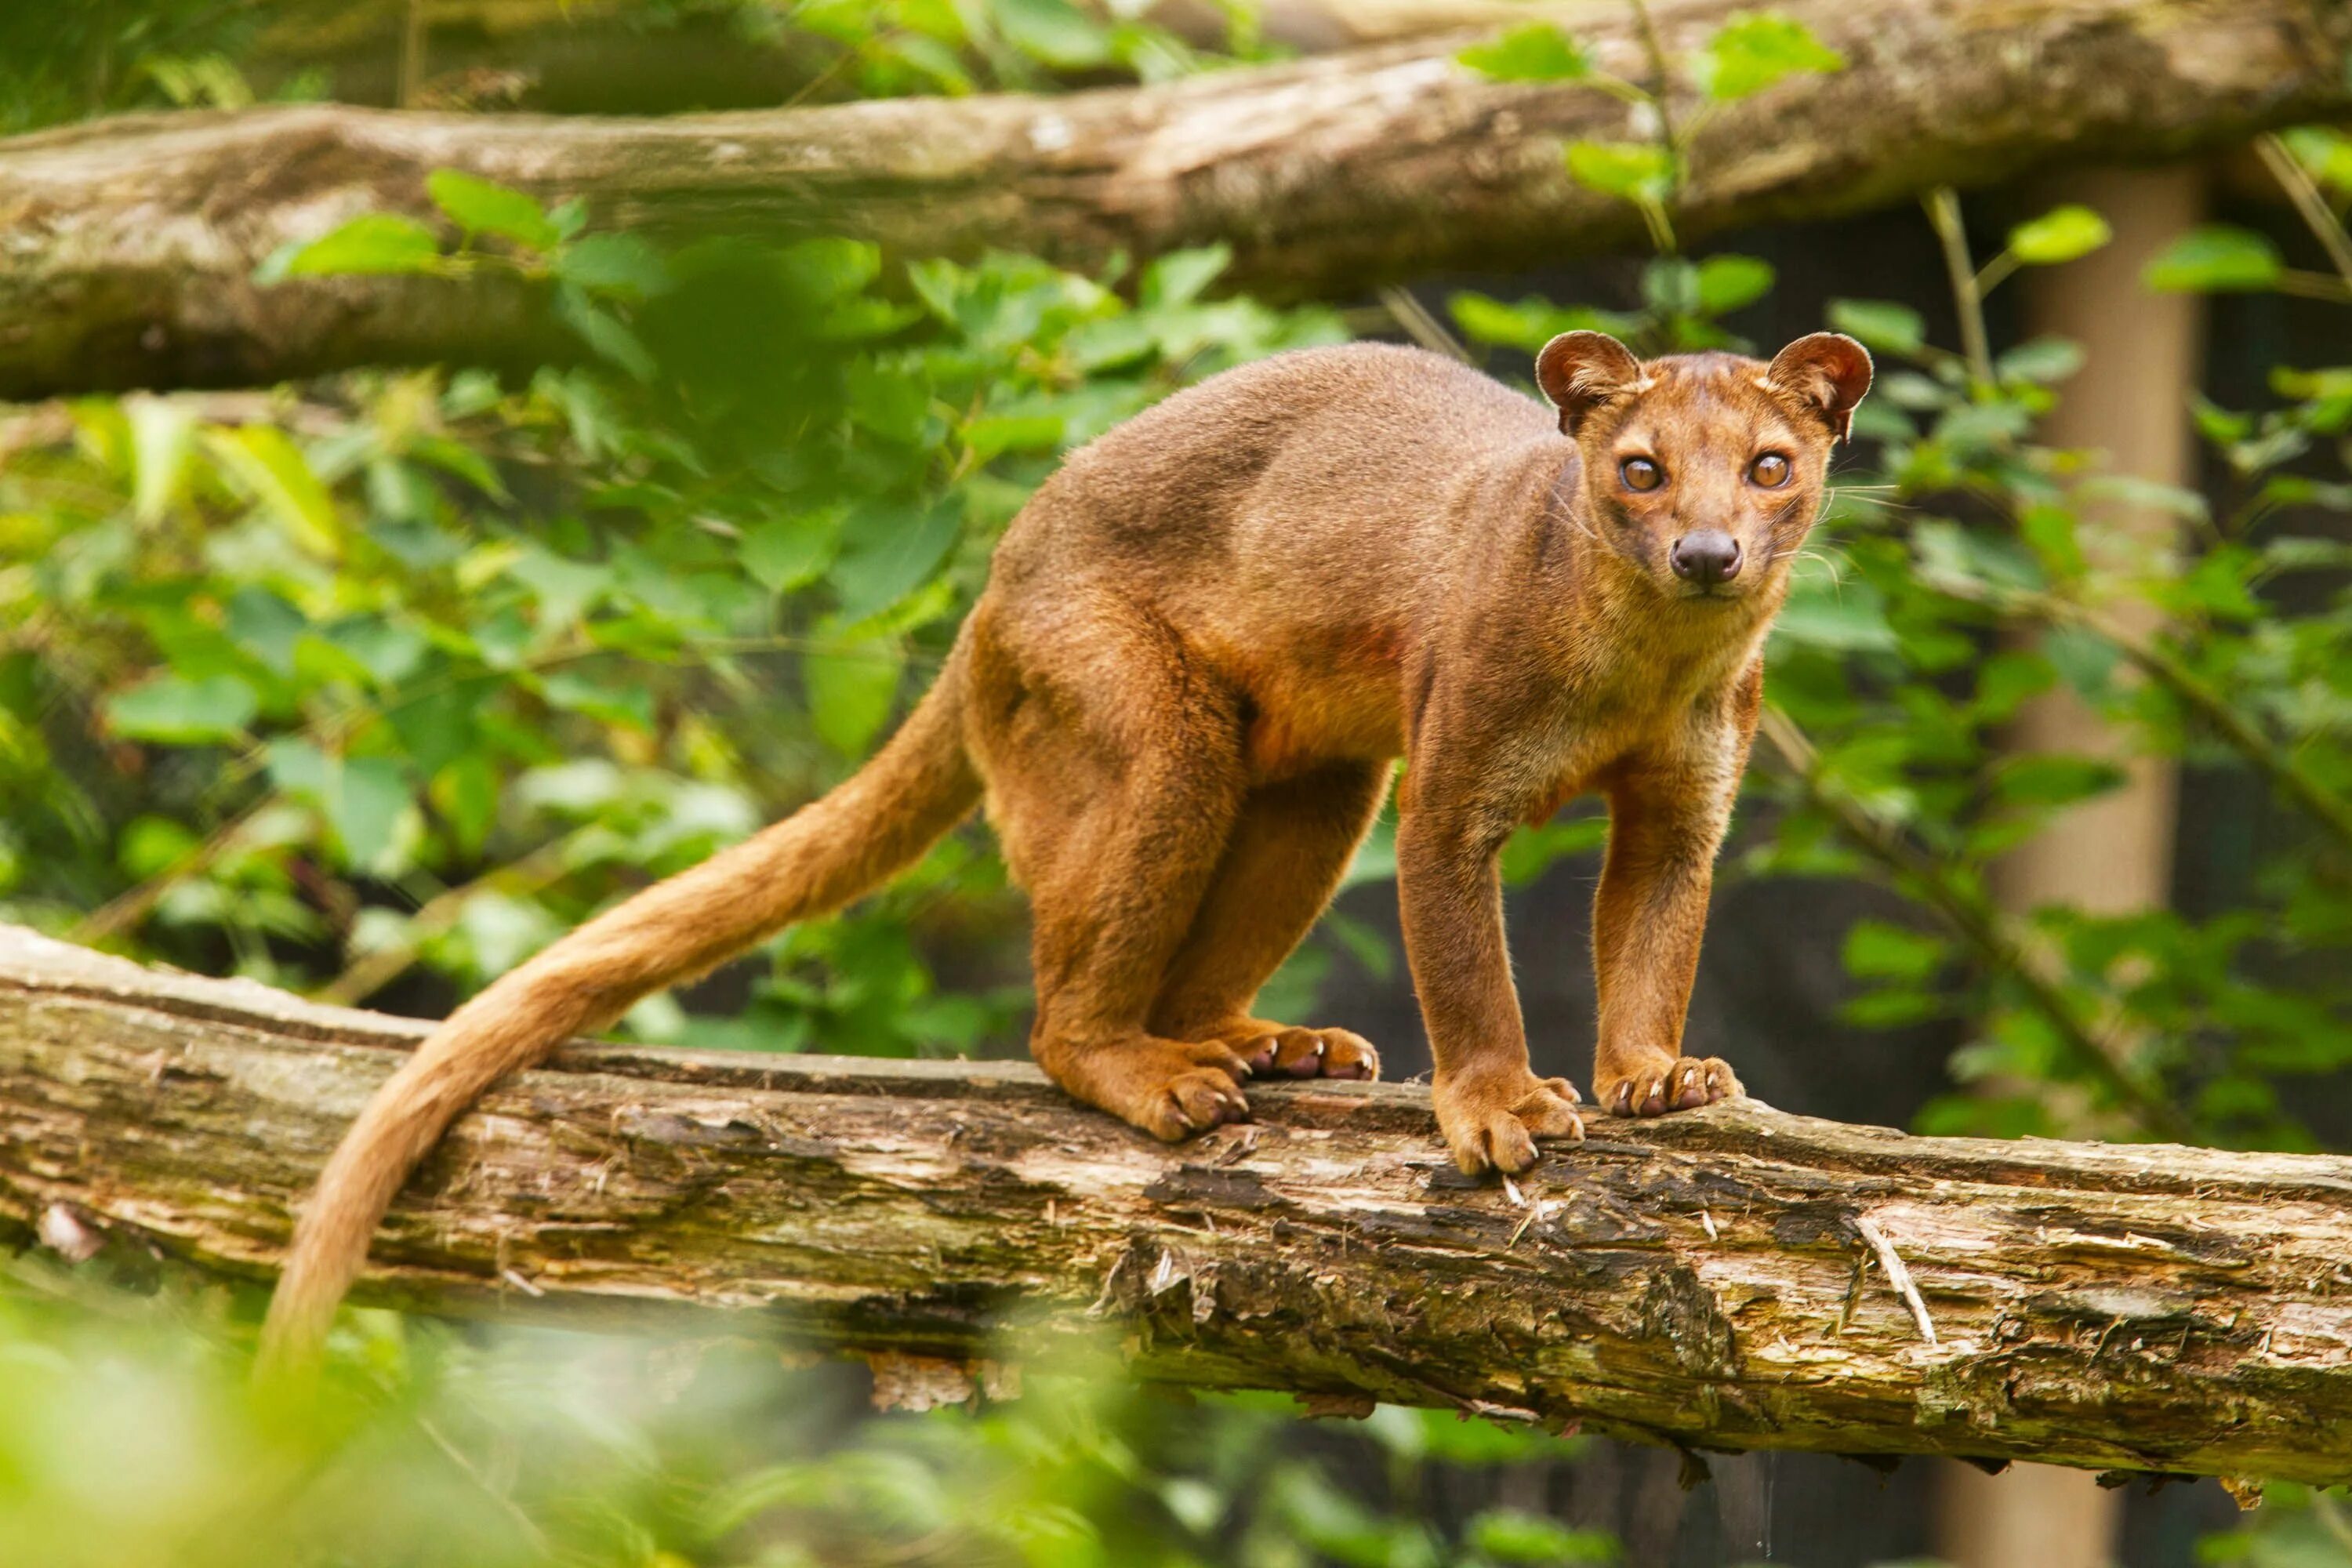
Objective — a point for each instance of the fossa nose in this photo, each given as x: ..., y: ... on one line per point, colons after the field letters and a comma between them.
x: 1706, y: 556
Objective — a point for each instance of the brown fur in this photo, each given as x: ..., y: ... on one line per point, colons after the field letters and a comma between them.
x: 1202, y: 648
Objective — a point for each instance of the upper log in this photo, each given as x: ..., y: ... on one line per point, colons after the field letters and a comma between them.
x: 1732, y: 1278
x: 127, y: 246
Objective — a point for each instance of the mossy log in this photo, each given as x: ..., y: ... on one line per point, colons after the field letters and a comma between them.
x: 127, y: 246
x: 1731, y: 1278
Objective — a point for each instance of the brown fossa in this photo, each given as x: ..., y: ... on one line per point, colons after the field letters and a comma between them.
x: 1203, y: 646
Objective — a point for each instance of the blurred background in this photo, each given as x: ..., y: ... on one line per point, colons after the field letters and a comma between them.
x: 470, y: 562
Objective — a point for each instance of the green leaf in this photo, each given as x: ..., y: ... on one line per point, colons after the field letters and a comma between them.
x: 1054, y: 31
x: 2325, y: 151
x: 265, y: 626
x: 788, y: 552
x: 1177, y: 278
x: 1530, y: 851
x: 1877, y: 950
x: 364, y: 800
x: 1536, y: 52
x: 603, y: 332
x: 1728, y: 283
x: 2051, y: 779
x: 1757, y: 48
x: 466, y: 793
x: 887, y: 399
x: 375, y: 244
x: 483, y: 206
x: 608, y: 702
x: 1880, y: 324
x: 455, y: 457
x: 153, y: 844
x: 1670, y: 286
x: 2061, y: 234
x: 2043, y: 361
x: 389, y: 652
x: 2214, y: 258
x: 850, y: 693
x: 992, y: 435
x: 890, y: 551
x: 184, y: 713
x: 162, y: 433
x: 617, y: 264
x: 1510, y: 1536
x: 1893, y: 1009
x: 1847, y: 617
x: 272, y: 470
x: 1635, y: 171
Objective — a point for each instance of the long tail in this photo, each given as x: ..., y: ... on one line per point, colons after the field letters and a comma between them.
x: 877, y: 823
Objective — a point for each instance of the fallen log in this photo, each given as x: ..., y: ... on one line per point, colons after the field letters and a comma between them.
x: 127, y: 246
x: 1733, y: 1278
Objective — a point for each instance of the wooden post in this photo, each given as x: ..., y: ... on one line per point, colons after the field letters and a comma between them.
x: 2111, y: 855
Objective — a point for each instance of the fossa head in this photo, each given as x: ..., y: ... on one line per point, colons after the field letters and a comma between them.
x: 1703, y: 473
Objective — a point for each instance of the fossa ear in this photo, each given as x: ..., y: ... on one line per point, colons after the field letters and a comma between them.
x: 1827, y: 369
x: 1581, y: 371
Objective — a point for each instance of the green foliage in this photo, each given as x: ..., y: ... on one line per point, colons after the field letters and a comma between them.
x: 60, y: 62
x: 131, y: 1432
x: 1976, y: 569
x: 423, y: 668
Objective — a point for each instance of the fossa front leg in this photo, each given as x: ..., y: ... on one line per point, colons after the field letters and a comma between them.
x: 1490, y: 1104
x: 1664, y: 826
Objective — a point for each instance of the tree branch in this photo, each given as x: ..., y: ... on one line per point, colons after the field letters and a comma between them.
x: 130, y: 242
x: 1731, y: 1278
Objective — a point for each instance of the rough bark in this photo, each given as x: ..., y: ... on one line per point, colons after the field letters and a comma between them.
x: 1733, y: 1278
x: 126, y: 247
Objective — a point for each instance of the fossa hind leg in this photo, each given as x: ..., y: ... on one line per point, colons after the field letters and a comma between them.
x: 1114, y: 777
x: 1289, y: 848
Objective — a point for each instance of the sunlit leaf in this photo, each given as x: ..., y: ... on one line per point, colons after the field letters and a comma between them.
x: 1635, y: 171
x: 1875, y: 950
x: 1756, y: 50
x: 1506, y: 1535
x: 373, y: 245
x: 163, y: 435
x: 1536, y: 52
x: 483, y: 206
x: 1726, y: 283
x: 272, y: 470
x: 2214, y: 258
x: 184, y: 713
x: 2061, y: 234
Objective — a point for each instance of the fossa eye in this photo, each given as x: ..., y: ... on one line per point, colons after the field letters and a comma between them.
x: 1641, y: 474
x: 1771, y: 470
